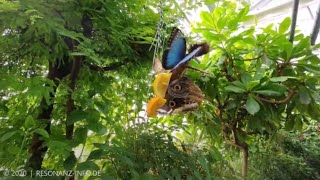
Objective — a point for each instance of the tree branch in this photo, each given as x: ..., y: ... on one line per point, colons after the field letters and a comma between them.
x: 233, y: 144
x: 87, y: 26
x: 195, y: 69
x: 38, y: 148
x: 70, y: 102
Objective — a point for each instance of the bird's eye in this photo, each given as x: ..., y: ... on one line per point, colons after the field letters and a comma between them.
x: 177, y: 87
x: 172, y: 104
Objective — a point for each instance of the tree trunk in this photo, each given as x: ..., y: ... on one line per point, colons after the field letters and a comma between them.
x: 57, y: 71
x: 87, y: 26
x: 37, y: 147
x: 245, y: 159
x: 243, y: 146
x: 70, y: 102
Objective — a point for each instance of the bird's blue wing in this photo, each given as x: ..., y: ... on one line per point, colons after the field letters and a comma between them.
x: 176, y: 51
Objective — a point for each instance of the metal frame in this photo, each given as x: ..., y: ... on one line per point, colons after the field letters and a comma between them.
x: 294, y: 19
x: 316, y: 27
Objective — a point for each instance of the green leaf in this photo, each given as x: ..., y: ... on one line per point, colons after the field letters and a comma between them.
x: 315, y: 96
x: 70, y: 162
x: 7, y: 136
x: 29, y: 122
x: 102, y: 146
x: 234, y: 39
x: 247, y: 32
x: 97, y: 128
x: 281, y: 78
x: 289, y: 124
x: 107, y: 176
x: 96, y: 154
x: 42, y: 132
x: 274, y: 87
x: 221, y: 23
x: 252, y: 106
x: 210, y: 36
x: 233, y: 23
x: 269, y: 29
x: 310, y: 68
x: 302, y: 45
x: 304, y: 96
x: 246, y: 78
x: 218, y: 12
x: 87, y: 166
x: 314, y: 111
x: 206, y: 17
x: 239, y: 84
x: 221, y: 60
x: 211, y: 88
x: 71, y: 34
x: 235, y: 89
x: 252, y: 84
x: 146, y: 176
x: 316, y: 46
x: 77, y: 54
x: 268, y: 92
x: 215, y: 153
x: 243, y: 12
x: 80, y: 135
x: 284, y: 25
x: 76, y: 115
x: 298, y: 124
x: 93, y: 116
x: 204, y: 163
x: 61, y: 147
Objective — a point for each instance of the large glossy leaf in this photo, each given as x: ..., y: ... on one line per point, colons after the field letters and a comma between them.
x: 70, y: 162
x: 234, y: 89
x: 284, y: 25
x: 7, y: 135
x: 268, y: 92
x: 304, y: 95
x: 88, y: 166
x: 252, y: 106
x: 281, y: 78
x: 281, y: 89
x: 42, y: 132
x: 206, y: 17
x: 76, y: 116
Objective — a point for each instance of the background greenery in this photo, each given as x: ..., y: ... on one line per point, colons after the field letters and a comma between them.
x: 75, y: 76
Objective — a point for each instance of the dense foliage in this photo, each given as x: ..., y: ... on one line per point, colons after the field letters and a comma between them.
x: 75, y: 76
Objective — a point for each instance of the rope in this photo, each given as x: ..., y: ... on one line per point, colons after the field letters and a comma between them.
x: 157, y: 43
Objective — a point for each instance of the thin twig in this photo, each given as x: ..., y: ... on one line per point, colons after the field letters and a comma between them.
x: 196, y: 69
x: 182, y: 12
x: 233, y: 144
